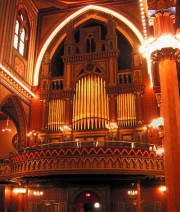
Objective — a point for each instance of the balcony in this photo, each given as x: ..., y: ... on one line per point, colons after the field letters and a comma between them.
x: 114, y: 157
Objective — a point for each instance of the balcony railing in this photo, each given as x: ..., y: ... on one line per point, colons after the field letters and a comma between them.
x: 88, y: 144
x: 125, y: 77
x: 116, y: 157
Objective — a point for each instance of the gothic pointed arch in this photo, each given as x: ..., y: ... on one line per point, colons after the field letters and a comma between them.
x: 12, y: 106
x: 22, y: 32
x: 99, y: 195
x: 87, y: 68
x: 124, y: 26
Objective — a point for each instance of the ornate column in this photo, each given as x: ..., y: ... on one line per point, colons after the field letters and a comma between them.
x: 171, y: 113
x: 163, y: 50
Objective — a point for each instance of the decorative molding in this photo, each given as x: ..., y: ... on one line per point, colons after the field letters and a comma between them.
x: 92, y: 56
x: 13, y: 80
x: 164, y: 54
x: 125, y: 89
x: 14, y: 90
x: 160, y: 4
x: 57, y: 94
x: 19, y: 66
x: 83, y: 160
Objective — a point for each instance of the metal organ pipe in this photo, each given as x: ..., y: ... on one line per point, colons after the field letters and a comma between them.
x: 126, y: 110
x: 56, y: 114
x: 90, y: 105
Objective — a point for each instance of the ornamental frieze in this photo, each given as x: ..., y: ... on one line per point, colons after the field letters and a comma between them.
x: 160, y: 4
x: 82, y: 160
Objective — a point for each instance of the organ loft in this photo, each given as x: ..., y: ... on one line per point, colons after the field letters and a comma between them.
x: 92, y: 89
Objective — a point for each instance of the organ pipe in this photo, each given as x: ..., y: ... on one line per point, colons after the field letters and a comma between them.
x: 96, y: 103
x: 90, y: 106
x: 56, y: 114
x: 85, y: 102
x: 126, y: 110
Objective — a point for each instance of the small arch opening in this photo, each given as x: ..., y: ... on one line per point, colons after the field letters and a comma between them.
x: 88, y: 201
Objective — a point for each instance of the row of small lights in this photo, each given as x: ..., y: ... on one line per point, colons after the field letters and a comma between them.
x: 23, y: 191
x: 143, y: 18
x: 134, y: 192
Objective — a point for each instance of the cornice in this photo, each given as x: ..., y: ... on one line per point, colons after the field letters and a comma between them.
x: 15, y: 85
x: 132, y: 88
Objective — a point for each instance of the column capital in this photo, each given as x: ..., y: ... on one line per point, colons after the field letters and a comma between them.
x: 139, y: 93
x: 165, y: 54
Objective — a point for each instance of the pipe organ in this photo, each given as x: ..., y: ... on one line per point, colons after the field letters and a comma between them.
x: 90, y: 103
x: 56, y: 114
x: 126, y: 110
x: 92, y: 92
